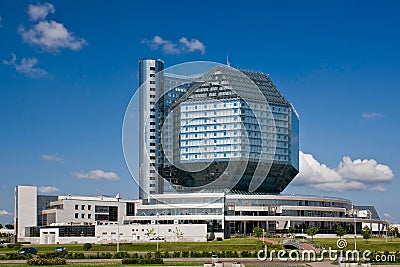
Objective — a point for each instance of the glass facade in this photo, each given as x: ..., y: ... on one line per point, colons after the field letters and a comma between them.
x: 234, y: 125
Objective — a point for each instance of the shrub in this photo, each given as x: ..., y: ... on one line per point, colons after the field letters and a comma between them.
x: 14, y: 246
x: 205, y: 254
x: 157, y: 254
x: 87, y: 246
x: 245, y: 254
x: 185, y: 254
x: 219, y: 239
x: 16, y: 256
x: 166, y: 255
x: 46, y: 261
x: 120, y: 255
x: 77, y: 255
x: 177, y: 254
x: 142, y: 261
x: 51, y: 255
x: 221, y: 254
x: 231, y: 254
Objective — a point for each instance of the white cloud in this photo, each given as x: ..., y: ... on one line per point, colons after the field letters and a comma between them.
x: 192, y: 45
x: 4, y: 213
x: 367, y: 170
x: 97, y: 175
x: 387, y: 215
x: 378, y: 188
x: 51, y: 36
x: 349, y: 175
x: 26, y: 66
x: 49, y: 157
x: 48, y: 35
x: 48, y: 189
x: 169, y: 47
x: 312, y: 171
x: 371, y: 115
x: 38, y: 12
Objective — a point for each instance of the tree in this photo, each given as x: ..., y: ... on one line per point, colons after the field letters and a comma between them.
x: 9, y: 226
x: 292, y: 232
x: 178, y: 233
x: 393, y: 231
x: 312, y: 231
x: 340, y: 231
x: 257, y: 231
x: 366, y: 233
x: 87, y: 246
x: 150, y: 232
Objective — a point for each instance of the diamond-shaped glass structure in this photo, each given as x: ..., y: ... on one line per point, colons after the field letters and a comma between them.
x: 231, y: 130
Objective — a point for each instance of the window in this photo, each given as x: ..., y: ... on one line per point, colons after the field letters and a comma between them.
x: 77, y: 207
x: 83, y: 207
x: 152, y: 82
x: 152, y: 89
x: 83, y: 216
x: 130, y: 210
x: 152, y: 96
x: 89, y: 207
x: 76, y: 215
x: 89, y: 216
x: 152, y: 185
x: 152, y: 68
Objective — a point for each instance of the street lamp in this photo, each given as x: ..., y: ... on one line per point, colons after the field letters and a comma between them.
x: 158, y: 229
x: 263, y: 236
x: 118, y: 197
x: 387, y: 228
x: 355, y: 228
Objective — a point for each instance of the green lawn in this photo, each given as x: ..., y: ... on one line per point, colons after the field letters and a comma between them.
x: 114, y: 264
x: 374, y: 244
x: 234, y: 244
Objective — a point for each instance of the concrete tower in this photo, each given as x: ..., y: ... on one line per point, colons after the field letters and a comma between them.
x: 151, y: 86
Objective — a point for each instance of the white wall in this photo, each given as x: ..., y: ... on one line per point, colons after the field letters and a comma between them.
x: 149, y: 233
x: 25, y: 208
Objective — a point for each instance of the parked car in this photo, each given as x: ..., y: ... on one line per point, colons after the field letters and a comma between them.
x: 61, y: 250
x: 28, y: 251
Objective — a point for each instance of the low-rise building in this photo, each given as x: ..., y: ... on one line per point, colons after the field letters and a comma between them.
x: 181, y: 217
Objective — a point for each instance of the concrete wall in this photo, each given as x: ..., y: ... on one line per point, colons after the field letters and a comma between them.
x: 149, y: 233
x: 128, y: 234
x: 25, y: 209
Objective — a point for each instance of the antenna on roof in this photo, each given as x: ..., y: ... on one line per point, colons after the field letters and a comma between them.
x: 227, y: 60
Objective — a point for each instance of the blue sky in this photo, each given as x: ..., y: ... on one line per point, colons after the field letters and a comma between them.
x: 69, y: 69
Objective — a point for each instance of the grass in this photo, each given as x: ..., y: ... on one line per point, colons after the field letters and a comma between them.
x: 235, y: 244
x: 115, y: 264
x: 373, y: 244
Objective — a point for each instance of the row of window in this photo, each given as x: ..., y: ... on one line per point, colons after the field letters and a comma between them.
x: 83, y: 216
x: 89, y: 207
